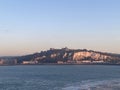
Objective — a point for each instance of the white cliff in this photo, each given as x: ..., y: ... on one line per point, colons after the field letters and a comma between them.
x: 81, y: 55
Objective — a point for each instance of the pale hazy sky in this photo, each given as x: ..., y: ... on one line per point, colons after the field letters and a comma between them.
x: 28, y: 26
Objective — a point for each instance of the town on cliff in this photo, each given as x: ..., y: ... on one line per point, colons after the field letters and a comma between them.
x: 63, y: 56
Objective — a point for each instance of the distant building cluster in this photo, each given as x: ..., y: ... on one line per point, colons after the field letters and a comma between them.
x: 8, y: 61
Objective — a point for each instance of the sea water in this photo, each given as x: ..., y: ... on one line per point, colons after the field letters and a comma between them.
x: 60, y: 77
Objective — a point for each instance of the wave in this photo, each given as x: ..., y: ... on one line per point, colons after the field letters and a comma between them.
x: 113, y: 84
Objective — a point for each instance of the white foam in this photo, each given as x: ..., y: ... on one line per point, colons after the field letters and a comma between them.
x: 95, y: 85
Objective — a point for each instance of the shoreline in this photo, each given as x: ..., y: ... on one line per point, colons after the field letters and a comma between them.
x: 61, y: 64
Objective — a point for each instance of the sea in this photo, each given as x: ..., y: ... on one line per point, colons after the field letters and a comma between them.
x: 60, y: 77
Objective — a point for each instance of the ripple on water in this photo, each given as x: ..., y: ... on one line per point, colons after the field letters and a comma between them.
x: 95, y: 85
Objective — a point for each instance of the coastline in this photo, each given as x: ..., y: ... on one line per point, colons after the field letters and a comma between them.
x: 61, y: 64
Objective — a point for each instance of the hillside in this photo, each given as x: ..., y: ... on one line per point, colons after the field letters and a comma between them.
x: 66, y: 55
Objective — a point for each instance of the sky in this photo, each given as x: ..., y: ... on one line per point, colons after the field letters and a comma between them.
x: 29, y: 26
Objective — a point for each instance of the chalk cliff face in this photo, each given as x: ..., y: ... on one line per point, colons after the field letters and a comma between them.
x: 81, y: 55
x: 70, y: 55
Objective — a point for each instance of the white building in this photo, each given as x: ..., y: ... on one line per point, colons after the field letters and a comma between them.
x: 30, y: 62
